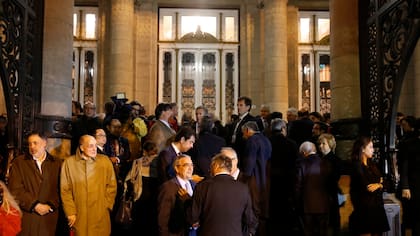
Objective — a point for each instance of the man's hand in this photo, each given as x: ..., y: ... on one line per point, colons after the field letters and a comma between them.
x: 42, y: 209
x: 72, y: 220
x: 374, y: 187
x: 114, y: 160
x: 183, y: 194
x: 406, y: 193
x: 196, y: 178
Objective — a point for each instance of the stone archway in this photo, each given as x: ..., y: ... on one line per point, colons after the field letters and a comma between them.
x: 21, y: 63
x: 389, y: 33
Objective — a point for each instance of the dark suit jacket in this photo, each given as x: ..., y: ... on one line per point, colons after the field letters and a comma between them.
x: 301, y: 130
x: 239, y: 143
x: 255, y: 161
x: 82, y: 126
x: 223, y: 206
x: 206, y: 146
x: 172, y: 211
x: 311, y: 185
x: 164, y: 161
x: 124, y: 154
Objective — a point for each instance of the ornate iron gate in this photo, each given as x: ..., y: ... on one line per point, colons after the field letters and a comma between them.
x: 21, y: 23
x: 389, y: 31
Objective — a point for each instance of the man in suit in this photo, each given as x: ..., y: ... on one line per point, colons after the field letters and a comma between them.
x: 238, y: 175
x: 300, y: 130
x: 312, y: 198
x: 100, y: 137
x: 161, y: 132
x: 117, y: 149
x: 86, y: 124
x: 174, y: 200
x: 221, y: 199
x: 282, y: 173
x: 184, y: 141
x: 244, y: 106
x: 200, y: 112
x: 255, y: 165
x: 206, y: 146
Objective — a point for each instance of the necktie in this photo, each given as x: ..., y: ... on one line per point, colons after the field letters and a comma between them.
x: 188, y: 188
x: 116, y: 147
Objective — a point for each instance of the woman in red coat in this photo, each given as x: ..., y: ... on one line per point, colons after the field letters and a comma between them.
x: 10, y: 214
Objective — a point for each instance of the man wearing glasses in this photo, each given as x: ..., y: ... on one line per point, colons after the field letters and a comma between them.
x: 175, y: 197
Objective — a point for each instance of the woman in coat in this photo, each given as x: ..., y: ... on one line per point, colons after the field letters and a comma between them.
x: 327, y: 146
x: 368, y: 216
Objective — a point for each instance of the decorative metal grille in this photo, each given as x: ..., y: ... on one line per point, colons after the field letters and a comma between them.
x: 20, y: 36
x: 230, y: 86
x: 392, y: 33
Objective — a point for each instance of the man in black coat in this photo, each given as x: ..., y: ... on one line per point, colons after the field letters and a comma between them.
x: 311, y: 190
x: 244, y: 106
x: 282, y: 174
x: 222, y: 206
x: 255, y: 164
x: 206, y: 147
x: 86, y: 124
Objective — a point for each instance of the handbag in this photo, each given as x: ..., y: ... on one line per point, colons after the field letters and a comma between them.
x: 123, y: 215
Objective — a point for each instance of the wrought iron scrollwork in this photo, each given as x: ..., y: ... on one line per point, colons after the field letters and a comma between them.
x: 21, y: 85
x: 391, y: 33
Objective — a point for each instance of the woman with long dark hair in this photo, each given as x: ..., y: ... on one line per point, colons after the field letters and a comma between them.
x: 368, y: 216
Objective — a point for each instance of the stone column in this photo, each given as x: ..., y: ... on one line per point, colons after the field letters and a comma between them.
x: 57, y: 73
x: 293, y: 56
x: 249, y: 48
x: 344, y: 47
x: 146, y: 54
x: 119, y: 74
x: 275, y: 58
x: 57, y: 58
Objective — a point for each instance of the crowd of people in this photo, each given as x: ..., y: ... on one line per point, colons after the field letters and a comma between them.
x: 261, y: 175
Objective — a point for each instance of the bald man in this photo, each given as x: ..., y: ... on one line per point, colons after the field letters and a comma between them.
x: 88, y: 189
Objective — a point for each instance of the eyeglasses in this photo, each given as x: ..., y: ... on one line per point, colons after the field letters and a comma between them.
x: 187, y: 165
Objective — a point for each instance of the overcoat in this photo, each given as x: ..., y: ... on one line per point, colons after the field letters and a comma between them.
x: 88, y: 190
x: 29, y: 187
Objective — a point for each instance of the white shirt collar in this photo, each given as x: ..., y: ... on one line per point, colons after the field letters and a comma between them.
x: 243, y: 115
x: 236, y: 174
x: 177, y: 151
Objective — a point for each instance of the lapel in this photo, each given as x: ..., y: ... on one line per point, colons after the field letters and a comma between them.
x: 166, y: 128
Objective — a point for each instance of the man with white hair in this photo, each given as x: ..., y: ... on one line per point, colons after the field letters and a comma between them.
x: 311, y: 190
x: 254, y: 164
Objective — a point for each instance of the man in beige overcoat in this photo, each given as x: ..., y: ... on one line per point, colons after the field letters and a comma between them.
x: 88, y: 189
